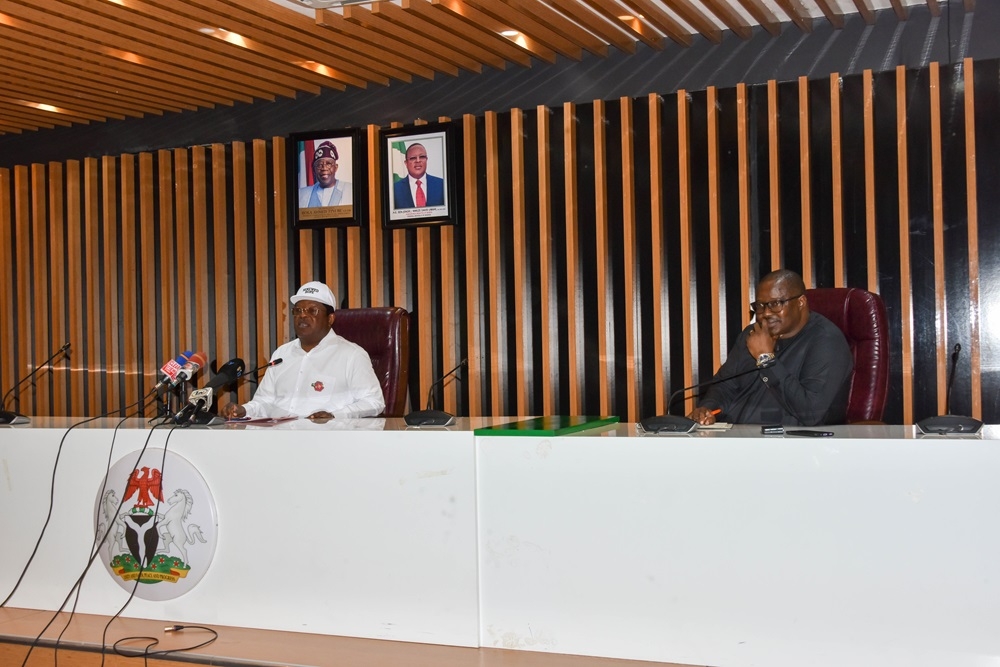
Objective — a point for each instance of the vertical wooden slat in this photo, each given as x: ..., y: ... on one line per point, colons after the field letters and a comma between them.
x: 223, y: 275
x: 77, y: 280
x: 241, y: 308
x: 633, y: 358
x: 57, y: 274
x: 548, y: 298
x: 574, y: 328
x: 521, y: 370
x: 167, y: 288
x: 199, y: 242
x: 376, y: 275
x: 450, y: 335
x: 130, y: 279
x: 425, y: 316
x: 905, y: 283
x: 39, y: 388
x: 112, y: 304
x: 8, y: 374
x: 331, y: 252
x: 150, y: 284
x: 497, y: 314
x: 836, y: 184
x: 474, y: 305
x: 282, y: 268
x: 743, y: 155
x: 355, y: 280
x: 714, y: 227
x: 261, y: 299
x: 184, y: 252
x: 95, y: 355
x: 971, y: 197
x: 656, y: 241
x: 23, y: 251
x: 805, y: 176
x: 937, y: 216
x: 870, y: 213
x: 605, y: 317
x: 774, y: 174
x: 689, y: 335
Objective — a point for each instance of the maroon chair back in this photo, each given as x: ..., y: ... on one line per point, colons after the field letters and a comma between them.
x: 384, y: 333
x: 860, y: 314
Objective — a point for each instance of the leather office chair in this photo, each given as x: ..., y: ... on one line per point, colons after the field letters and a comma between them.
x: 860, y: 314
x: 384, y: 333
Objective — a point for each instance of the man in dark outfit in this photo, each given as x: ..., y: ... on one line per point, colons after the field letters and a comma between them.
x: 796, y: 364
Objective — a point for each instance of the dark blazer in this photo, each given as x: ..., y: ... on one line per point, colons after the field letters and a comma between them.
x: 434, y: 189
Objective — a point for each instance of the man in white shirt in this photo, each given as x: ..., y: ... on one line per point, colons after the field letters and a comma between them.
x: 321, y: 376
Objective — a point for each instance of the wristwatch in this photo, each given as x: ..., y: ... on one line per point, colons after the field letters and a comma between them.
x: 765, y: 360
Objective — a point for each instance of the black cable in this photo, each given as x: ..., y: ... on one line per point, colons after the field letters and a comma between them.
x: 142, y: 565
x: 93, y: 557
x: 153, y: 641
x: 52, y: 491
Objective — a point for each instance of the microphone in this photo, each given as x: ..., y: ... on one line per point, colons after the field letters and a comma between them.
x: 198, y: 400
x: 254, y: 371
x: 949, y: 423
x: 10, y: 417
x: 429, y: 416
x: 171, y: 369
x: 194, y: 363
x: 675, y: 423
x: 230, y: 370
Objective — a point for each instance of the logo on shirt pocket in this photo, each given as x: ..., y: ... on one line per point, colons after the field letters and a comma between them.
x: 317, y: 385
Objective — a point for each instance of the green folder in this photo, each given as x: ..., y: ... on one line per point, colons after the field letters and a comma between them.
x: 553, y: 425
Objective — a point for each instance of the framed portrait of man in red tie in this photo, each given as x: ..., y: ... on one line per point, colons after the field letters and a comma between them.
x: 419, y: 175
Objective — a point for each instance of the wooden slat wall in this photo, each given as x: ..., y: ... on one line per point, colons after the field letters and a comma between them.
x: 606, y: 256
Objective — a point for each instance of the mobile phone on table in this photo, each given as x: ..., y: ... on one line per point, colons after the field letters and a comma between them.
x: 811, y: 434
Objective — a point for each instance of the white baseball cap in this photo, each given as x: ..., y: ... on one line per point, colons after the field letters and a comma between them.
x: 316, y: 291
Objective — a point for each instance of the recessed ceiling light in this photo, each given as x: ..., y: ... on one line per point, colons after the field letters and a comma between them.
x: 509, y: 33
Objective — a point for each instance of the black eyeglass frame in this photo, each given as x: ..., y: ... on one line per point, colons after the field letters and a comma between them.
x: 758, y: 307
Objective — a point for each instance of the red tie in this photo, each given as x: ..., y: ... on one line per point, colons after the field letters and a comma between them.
x: 421, y: 197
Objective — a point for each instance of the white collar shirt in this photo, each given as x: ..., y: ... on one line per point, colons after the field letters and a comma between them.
x: 336, y: 376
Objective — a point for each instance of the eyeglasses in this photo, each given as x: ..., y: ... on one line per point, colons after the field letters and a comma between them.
x: 311, y: 311
x: 774, y: 306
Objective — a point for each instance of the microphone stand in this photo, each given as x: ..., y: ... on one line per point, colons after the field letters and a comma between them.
x: 17, y: 399
x: 669, y: 423
x: 429, y: 416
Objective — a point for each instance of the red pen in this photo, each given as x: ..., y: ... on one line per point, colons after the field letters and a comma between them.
x: 716, y: 411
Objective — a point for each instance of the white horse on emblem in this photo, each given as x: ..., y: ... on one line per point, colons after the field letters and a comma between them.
x: 112, y: 521
x: 171, y: 525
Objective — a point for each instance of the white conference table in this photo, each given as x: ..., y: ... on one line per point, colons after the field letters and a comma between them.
x: 877, y: 546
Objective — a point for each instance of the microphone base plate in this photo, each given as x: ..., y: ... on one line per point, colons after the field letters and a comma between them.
x: 945, y: 424
x: 13, y: 418
x: 429, y: 418
x: 668, y: 424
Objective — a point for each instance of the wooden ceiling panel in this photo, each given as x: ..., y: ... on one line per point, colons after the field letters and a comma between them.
x: 70, y: 62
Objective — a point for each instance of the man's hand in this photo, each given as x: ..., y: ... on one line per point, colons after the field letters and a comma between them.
x: 703, y: 416
x: 320, y: 417
x: 760, y: 341
x: 234, y: 411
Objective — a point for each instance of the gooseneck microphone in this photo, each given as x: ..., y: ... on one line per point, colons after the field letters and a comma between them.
x: 951, y: 378
x: 949, y: 423
x: 254, y: 371
x: 675, y: 423
x: 10, y: 417
x: 429, y: 416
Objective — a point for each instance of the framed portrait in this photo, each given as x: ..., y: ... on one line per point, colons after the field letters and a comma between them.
x: 326, y: 173
x: 420, y: 175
